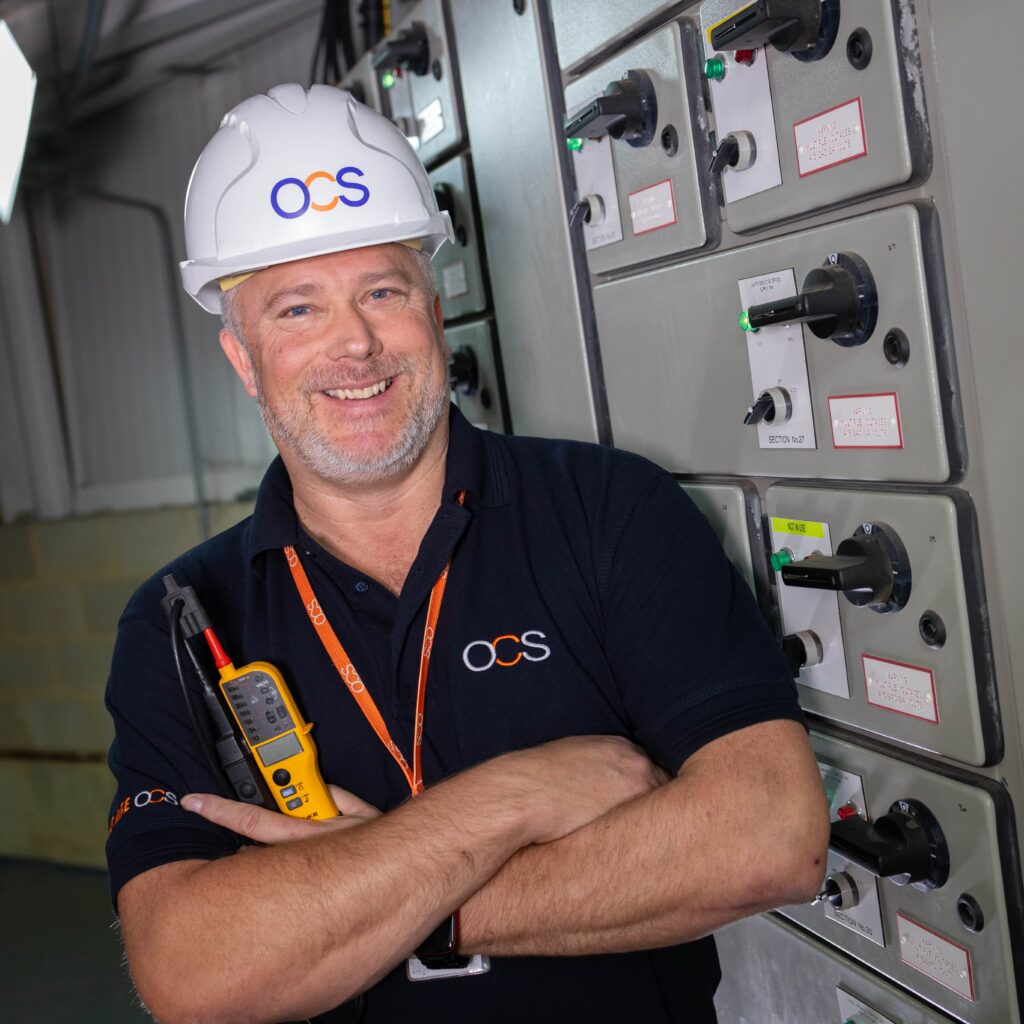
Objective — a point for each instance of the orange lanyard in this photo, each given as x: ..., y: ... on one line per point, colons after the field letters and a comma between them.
x: 350, y: 677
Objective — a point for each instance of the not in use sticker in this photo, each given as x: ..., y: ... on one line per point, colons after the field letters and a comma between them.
x: 455, y: 279
x: 905, y: 689
x: 865, y: 421
x: 652, y: 207
x: 832, y: 137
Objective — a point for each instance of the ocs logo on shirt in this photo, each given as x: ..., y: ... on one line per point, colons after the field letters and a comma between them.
x: 480, y: 655
x: 144, y: 798
x: 292, y: 197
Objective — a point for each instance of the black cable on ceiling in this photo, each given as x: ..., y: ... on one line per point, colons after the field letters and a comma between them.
x: 87, y: 47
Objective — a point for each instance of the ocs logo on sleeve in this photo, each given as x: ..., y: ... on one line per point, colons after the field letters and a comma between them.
x: 292, y: 197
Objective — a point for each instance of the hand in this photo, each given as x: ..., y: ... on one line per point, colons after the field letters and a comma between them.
x: 271, y: 827
x: 570, y: 782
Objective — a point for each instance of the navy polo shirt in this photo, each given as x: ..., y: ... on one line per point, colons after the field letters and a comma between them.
x: 587, y: 596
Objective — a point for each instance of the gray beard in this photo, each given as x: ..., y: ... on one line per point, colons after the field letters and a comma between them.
x: 330, y: 463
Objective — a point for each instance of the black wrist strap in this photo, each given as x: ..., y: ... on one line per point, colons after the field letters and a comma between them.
x: 439, y: 950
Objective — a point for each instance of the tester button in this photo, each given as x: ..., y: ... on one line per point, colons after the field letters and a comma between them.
x: 282, y: 777
x: 288, y: 791
x: 292, y: 804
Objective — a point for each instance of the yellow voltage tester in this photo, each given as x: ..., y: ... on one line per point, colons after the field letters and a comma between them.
x: 276, y: 733
x: 271, y: 738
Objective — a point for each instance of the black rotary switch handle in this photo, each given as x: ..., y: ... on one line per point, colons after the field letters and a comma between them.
x: 445, y: 196
x: 906, y: 845
x: 870, y: 568
x: 464, y: 371
x: 408, y: 49
x: 628, y: 110
x: 789, y: 25
x: 838, y: 301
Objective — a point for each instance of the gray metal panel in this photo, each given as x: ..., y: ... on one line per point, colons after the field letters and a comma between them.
x: 484, y: 407
x: 774, y: 974
x: 930, y: 526
x: 665, y: 56
x: 460, y: 271
x: 678, y: 378
x: 893, y: 107
x: 976, y: 824
x: 579, y: 33
x: 732, y: 511
x: 520, y: 186
x: 410, y: 104
x: 362, y: 80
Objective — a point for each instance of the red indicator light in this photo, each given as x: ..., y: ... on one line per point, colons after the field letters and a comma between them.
x: 847, y: 811
x: 745, y: 57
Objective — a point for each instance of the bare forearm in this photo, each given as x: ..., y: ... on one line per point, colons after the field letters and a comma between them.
x: 701, y: 851
x: 304, y: 926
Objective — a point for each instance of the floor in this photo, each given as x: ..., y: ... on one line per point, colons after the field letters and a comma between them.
x: 60, y: 959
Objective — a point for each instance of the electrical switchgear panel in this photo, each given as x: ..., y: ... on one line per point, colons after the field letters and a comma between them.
x: 418, y: 76
x: 951, y: 926
x: 579, y: 35
x: 643, y: 189
x: 734, y: 511
x: 477, y: 386
x: 870, y: 370
x: 362, y: 81
x: 917, y: 663
x: 848, y: 109
x: 775, y: 974
x: 460, y: 272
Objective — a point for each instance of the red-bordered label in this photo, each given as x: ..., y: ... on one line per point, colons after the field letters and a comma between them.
x: 965, y: 974
x: 843, y: 135
x: 859, y: 427
x: 873, y: 692
x: 658, y: 208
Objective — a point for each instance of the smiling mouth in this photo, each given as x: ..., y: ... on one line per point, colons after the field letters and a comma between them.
x: 370, y: 391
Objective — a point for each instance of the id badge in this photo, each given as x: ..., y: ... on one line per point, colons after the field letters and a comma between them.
x: 417, y: 970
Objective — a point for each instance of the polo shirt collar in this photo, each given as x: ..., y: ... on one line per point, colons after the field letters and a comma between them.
x: 474, y: 465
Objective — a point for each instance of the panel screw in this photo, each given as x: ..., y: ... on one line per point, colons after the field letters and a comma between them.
x: 436, y: 70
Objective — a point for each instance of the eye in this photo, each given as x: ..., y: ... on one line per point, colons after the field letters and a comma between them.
x: 292, y: 312
x: 381, y: 293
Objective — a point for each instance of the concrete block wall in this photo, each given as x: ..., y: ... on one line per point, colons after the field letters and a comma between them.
x: 63, y: 586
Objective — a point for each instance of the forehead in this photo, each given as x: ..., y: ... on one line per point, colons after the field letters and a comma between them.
x: 336, y: 268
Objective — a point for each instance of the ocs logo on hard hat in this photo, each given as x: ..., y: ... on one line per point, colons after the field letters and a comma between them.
x: 292, y: 197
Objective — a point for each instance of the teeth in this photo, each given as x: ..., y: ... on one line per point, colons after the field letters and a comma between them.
x: 367, y: 392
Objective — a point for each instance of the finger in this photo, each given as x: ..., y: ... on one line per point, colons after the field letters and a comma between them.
x: 350, y: 805
x: 248, y: 820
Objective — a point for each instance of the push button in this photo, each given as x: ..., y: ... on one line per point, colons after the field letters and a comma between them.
x: 288, y: 791
x: 282, y: 777
x: 292, y: 804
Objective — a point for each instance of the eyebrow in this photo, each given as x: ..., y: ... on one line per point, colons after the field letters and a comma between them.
x: 306, y: 289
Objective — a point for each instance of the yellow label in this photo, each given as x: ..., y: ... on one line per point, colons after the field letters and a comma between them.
x: 799, y: 527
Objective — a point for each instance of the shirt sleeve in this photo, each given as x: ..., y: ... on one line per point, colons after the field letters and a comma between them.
x: 155, y: 757
x: 688, y: 646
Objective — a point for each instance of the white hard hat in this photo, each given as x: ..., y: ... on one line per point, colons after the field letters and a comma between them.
x: 300, y: 173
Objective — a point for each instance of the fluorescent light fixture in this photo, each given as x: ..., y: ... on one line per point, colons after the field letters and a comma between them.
x: 17, y: 91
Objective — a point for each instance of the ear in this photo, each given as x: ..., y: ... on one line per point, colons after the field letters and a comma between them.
x: 438, y: 315
x: 239, y: 359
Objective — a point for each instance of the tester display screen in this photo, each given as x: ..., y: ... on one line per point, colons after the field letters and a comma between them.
x: 277, y: 750
x: 259, y: 707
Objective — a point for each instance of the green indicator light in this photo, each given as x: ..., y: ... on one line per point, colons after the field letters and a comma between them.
x: 575, y: 145
x: 744, y: 322
x: 781, y: 558
x: 714, y: 68
x: 388, y: 79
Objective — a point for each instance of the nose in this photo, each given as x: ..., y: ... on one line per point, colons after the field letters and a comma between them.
x: 352, y: 337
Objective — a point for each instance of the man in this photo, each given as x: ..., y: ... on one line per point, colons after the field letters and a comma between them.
x: 561, y: 600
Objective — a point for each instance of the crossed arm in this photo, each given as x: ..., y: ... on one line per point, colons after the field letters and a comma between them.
x: 570, y: 848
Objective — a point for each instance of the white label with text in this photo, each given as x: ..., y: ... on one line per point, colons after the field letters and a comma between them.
x: 652, y: 207
x: 902, y: 688
x: 865, y: 421
x: 832, y: 137
x: 933, y: 954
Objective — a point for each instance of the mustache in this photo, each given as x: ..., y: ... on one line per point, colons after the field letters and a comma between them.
x: 328, y: 378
